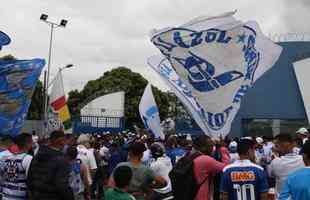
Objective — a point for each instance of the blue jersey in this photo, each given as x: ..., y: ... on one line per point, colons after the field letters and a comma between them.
x: 243, y: 180
x: 175, y: 154
x: 296, y: 186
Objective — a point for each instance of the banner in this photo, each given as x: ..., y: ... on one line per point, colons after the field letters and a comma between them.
x: 18, y: 79
x: 163, y: 67
x: 149, y: 113
x: 4, y: 39
x: 219, y: 59
x: 53, y: 121
x: 58, y: 101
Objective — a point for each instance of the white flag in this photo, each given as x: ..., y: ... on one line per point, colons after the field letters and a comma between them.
x: 163, y: 67
x: 219, y: 59
x: 149, y: 113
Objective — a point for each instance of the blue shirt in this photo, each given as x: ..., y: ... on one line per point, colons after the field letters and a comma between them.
x: 297, y: 185
x: 175, y: 154
x: 244, y: 180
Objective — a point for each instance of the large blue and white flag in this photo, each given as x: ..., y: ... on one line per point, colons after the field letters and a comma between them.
x: 18, y: 79
x: 149, y: 113
x: 219, y: 59
x: 163, y: 67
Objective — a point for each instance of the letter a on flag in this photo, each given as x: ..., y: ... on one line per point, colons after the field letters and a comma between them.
x: 149, y: 113
x: 58, y: 101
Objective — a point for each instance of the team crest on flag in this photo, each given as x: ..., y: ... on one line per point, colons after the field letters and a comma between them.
x: 219, y: 59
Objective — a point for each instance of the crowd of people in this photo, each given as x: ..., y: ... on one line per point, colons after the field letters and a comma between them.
x: 130, y: 166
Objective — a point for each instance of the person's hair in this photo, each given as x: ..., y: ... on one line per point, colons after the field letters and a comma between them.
x: 201, y: 141
x: 122, y: 176
x: 137, y: 148
x: 244, y: 145
x: 306, y: 149
x: 6, y: 140
x: 72, y: 152
x: 172, y: 141
x: 284, y: 138
x: 23, y: 139
x: 56, y: 135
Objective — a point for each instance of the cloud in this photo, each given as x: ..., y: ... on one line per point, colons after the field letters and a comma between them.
x: 101, y: 35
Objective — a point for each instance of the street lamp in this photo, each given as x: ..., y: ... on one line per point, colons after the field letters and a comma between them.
x: 60, y: 70
x: 53, y: 25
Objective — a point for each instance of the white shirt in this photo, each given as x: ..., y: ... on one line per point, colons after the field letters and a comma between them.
x: 161, y: 167
x: 88, y: 159
x: 146, y: 156
x: 280, y: 167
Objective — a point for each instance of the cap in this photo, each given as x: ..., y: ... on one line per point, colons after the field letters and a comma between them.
x: 302, y: 131
x: 259, y: 140
x: 233, y: 144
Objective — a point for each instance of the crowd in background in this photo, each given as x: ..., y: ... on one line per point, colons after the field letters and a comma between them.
x: 128, y: 166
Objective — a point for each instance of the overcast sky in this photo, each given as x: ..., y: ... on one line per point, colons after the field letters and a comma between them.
x: 104, y: 34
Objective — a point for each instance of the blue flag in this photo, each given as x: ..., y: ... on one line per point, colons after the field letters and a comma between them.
x: 149, y: 113
x: 4, y: 39
x: 18, y: 79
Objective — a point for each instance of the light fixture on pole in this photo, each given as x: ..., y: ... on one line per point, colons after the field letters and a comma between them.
x: 53, y: 25
x: 60, y: 70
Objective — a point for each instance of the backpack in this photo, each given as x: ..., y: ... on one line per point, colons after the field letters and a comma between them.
x: 183, y: 181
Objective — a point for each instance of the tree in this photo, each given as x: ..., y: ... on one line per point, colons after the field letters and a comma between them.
x: 36, y: 110
x: 119, y: 79
x: 8, y: 57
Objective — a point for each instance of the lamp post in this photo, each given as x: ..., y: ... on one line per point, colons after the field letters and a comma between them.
x: 52, y: 25
x: 60, y: 70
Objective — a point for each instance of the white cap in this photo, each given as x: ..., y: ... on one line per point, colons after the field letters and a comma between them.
x: 302, y: 131
x: 233, y: 144
x: 259, y: 140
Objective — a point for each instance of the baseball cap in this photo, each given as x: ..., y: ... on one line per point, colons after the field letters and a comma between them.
x: 302, y: 131
x: 259, y: 140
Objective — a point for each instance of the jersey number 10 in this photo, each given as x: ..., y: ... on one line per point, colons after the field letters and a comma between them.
x: 244, y: 190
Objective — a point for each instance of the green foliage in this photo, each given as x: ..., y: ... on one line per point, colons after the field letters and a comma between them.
x: 8, y: 57
x: 36, y: 110
x: 119, y: 79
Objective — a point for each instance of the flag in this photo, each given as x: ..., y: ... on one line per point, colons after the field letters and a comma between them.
x: 53, y: 121
x: 163, y: 67
x: 18, y: 79
x: 58, y: 101
x: 149, y: 113
x: 4, y: 39
x: 219, y: 59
